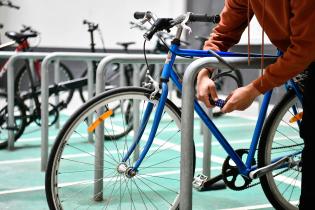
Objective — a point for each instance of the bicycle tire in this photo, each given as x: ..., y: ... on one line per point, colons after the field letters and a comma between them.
x: 64, y: 166
x: 22, y: 80
x: 20, y: 119
x: 280, y: 193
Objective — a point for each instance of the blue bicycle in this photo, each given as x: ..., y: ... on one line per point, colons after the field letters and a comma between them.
x: 141, y: 170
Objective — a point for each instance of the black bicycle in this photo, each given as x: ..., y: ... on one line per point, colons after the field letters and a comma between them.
x: 27, y: 108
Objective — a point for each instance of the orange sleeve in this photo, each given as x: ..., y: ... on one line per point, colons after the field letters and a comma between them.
x: 233, y: 22
x: 299, y: 55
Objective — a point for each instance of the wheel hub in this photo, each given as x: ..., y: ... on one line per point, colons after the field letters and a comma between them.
x: 123, y: 168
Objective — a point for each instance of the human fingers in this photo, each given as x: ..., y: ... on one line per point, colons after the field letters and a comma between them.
x: 229, y: 104
x: 213, y: 91
x: 228, y: 107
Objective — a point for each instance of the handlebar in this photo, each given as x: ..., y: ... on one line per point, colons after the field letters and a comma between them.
x: 139, y: 15
x: 28, y: 29
x: 9, y: 4
x: 161, y: 24
x: 91, y: 26
x: 205, y: 18
x: 160, y: 34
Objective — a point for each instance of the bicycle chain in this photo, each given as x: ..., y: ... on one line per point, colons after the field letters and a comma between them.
x: 281, y: 172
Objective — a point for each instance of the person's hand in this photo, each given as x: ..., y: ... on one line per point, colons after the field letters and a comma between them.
x: 206, y: 88
x: 240, y: 99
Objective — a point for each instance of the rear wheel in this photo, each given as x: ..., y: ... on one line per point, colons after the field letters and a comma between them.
x: 280, y: 138
x: 22, y: 83
x: 70, y: 176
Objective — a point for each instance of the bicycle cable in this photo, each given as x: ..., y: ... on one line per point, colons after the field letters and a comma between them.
x: 101, y: 38
x: 169, y: 49
x: 145, y: 57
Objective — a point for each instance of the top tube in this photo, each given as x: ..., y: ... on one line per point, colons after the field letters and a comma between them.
x: 205, y: 53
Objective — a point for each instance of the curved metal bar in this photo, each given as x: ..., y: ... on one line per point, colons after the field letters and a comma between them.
x: 44, y: 91
x: 186, y: 168
x: 10, y: 89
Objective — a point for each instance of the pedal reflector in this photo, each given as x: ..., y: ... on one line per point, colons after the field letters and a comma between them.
x: 296, y: 117
x: 107, y: 114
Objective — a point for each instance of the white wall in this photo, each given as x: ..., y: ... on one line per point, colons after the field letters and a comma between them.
x: 255, y: 34
x: 60, y: 21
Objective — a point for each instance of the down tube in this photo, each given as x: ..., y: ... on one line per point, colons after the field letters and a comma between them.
x: 227, y: 147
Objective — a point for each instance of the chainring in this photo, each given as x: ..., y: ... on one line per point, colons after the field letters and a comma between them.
x: 230, y: 173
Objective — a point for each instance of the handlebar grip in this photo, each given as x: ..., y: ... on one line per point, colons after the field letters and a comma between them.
x: 204, y: 18
x: 139, y: 15
x: 85, y: 21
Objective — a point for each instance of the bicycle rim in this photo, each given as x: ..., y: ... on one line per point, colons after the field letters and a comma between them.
x: 70, y: 173
x: 280, y: 138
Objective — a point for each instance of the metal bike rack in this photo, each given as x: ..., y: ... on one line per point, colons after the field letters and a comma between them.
x: 186, y: 166
x: 87, y: 57
x: 103, y: 65
x: 7, y: 55
x: 10, y: 87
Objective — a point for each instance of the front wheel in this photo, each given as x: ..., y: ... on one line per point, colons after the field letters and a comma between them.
x: 280, y: 137
x: 71, y: 173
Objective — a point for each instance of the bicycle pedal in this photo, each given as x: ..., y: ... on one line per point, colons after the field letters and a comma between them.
x: 199, y: 181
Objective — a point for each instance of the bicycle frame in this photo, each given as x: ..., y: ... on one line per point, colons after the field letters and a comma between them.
x: 244, y: 167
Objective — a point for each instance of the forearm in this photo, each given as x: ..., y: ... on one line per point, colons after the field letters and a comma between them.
x: 233, y: 22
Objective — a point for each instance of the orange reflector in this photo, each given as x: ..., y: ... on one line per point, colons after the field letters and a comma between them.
x: 296, y: 117
x: 96, y: 123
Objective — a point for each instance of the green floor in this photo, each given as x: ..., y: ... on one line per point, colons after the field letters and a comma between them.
x: 22, y: 183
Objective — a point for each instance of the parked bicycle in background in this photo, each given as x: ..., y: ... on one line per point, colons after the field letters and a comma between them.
x: 27, y: 88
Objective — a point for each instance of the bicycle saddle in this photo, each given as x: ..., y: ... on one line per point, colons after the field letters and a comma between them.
x: 16, y: 36
x: 125, y: 45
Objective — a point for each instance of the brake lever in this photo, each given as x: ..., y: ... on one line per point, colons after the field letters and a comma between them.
x: 183, y: 23
x: 137, y: 25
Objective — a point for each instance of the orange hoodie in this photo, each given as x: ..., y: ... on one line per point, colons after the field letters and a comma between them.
x: 290, y: 26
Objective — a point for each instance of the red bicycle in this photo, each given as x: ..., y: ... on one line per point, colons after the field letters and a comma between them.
x: 27, y: 89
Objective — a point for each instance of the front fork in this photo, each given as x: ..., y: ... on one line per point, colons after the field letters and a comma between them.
x: 143, y: 124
